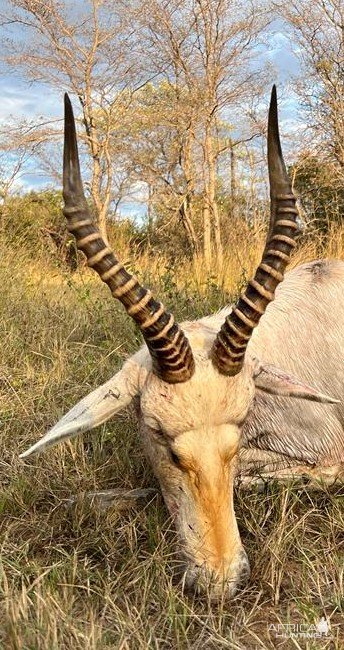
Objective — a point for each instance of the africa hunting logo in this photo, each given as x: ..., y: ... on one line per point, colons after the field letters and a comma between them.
x: 301, y: 630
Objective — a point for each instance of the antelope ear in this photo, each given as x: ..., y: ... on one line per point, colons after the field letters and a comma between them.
x: 277, y: 382
x: 93, y: 410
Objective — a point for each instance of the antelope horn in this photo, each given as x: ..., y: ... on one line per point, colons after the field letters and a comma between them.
x: 230, y: 345
x: 168, y: 346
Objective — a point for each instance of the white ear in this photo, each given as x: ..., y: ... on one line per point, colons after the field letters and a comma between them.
x: 92, y: 410
x: 277, y: 382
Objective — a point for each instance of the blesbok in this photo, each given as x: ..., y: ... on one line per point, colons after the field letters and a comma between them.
x: 210, y: 392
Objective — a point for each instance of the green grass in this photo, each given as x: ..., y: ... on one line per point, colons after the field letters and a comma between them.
x: 74, y: 576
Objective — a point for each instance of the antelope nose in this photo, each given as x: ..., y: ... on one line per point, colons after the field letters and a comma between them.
x: 204, y: 580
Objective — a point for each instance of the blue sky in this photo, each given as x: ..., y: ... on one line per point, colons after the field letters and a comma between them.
x: 21, y: 99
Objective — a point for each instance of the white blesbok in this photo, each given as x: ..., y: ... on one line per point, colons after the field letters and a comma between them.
x: 210, y: 393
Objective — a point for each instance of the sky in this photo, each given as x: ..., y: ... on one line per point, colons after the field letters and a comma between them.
x: 21, y: 99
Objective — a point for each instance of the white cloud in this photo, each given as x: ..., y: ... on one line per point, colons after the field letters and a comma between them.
x: 20, y: 99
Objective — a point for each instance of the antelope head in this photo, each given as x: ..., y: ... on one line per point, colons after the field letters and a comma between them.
x: 194, y: 386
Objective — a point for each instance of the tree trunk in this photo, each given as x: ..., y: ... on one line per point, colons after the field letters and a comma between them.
x: 150, y: 212
x: 102, y: 219
x: 187, y: 207
x: 100, y: 197
x: 216, y: 215
x: 234, y: 207
x: 210, y: 212
x: 186, y: 217
x: 206, y: 234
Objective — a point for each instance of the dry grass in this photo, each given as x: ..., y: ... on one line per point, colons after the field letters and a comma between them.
x: 241, y: 258
x: 73, y: 576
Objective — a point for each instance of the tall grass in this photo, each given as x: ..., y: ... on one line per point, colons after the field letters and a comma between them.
x: 75, y: 576
x: 241, y: 257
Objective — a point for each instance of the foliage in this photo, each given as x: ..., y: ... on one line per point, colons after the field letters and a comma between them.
x: 33, y: 223
x: 27, y: 219
x: 317, y: 38
x: 321, y: 191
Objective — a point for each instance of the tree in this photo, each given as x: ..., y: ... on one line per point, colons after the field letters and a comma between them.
x: 171, y: 136
x: 318, y: 31
x: 322, y: 197
x: 156, y: 154
x: 87, y: 49
x: 205, y: 48
x: 22, y: 144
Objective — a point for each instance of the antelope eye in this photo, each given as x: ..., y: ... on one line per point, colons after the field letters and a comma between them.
x: 174, y: 458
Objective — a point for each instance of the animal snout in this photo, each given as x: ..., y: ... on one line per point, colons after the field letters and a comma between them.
x: 205, y: 581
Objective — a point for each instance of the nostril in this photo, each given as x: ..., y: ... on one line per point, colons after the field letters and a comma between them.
x: 201, y: 579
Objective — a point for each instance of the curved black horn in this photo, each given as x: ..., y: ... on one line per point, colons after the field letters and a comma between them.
x: 168, y: 346
x: 230, y: 345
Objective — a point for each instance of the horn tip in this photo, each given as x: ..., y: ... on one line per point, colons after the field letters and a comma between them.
x: 68, y: 107
x: 273, y: 102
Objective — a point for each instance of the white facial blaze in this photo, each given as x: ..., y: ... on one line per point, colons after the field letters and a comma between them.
x: 207, y: 461
x: 196, y: 473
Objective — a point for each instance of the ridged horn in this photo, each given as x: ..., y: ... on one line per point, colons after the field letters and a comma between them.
x: 230, y: 345
x: 168, y: 346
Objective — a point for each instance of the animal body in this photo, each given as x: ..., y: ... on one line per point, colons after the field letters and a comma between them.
x: 219, y: 395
